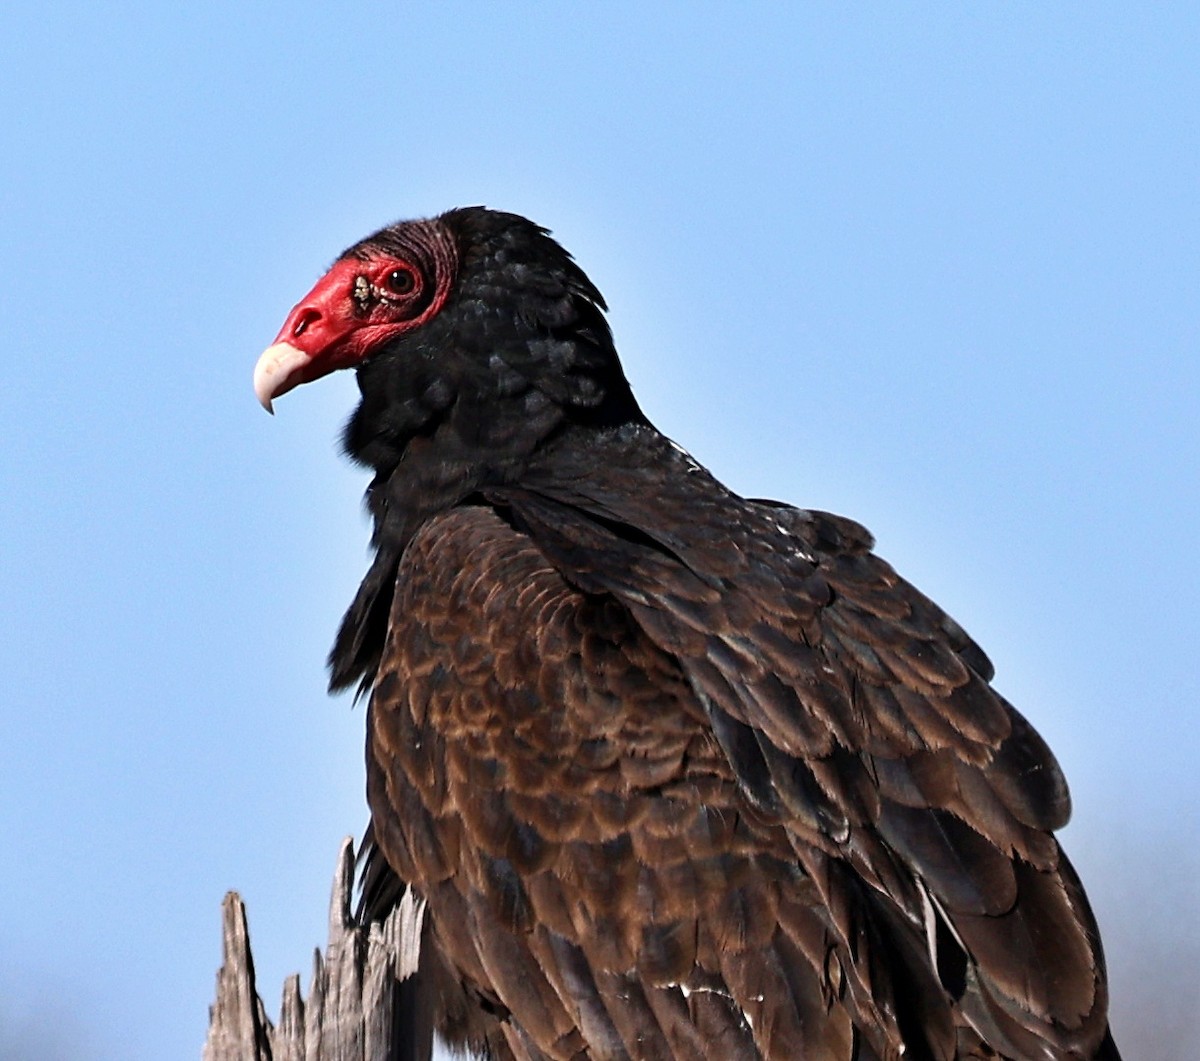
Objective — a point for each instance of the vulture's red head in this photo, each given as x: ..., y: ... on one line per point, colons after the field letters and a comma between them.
x: 474, y: 325
x: 380, y: 289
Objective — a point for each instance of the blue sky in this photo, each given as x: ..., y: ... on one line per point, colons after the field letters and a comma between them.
x: 931, y: 266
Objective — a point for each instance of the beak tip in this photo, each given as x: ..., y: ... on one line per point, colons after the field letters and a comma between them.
x: 279, y: 369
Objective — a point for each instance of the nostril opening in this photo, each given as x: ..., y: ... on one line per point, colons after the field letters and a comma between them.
x: 307, y: 317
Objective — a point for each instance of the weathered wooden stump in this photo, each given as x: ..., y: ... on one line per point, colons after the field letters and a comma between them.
x: 362, y: 1000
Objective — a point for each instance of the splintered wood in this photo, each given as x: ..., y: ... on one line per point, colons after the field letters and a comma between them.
x: 361, y: 999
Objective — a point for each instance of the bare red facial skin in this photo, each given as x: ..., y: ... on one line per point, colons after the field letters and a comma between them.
x: 329, y: 323
x: 355, y: 308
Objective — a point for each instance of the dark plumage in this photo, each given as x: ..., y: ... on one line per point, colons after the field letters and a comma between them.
x: 680, y: 774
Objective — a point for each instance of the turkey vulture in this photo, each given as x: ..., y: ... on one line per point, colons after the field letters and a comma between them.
x: 679, y: 773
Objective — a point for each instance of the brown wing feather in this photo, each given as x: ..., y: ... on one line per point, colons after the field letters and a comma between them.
x: 544, y: 774
x: 739, y: 758
x: 839, y: 691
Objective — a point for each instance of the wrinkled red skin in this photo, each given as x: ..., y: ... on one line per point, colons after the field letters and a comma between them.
x: 333, y: 329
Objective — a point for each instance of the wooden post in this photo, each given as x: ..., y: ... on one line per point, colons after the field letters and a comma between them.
x: 360, y: 1005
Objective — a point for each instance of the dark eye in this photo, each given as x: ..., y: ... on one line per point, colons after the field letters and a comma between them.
x: 401, y: 281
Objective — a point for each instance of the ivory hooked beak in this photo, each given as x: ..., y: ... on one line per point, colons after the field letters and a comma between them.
x: 279, y: 369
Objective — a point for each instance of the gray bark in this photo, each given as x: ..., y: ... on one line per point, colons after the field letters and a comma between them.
x: 355, y: 1007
